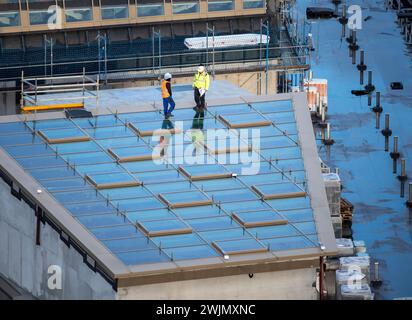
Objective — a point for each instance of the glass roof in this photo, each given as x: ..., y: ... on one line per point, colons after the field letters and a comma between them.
x: 185, y: 203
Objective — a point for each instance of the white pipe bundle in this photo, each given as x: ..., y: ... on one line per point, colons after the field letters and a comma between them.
x: 237, y: 40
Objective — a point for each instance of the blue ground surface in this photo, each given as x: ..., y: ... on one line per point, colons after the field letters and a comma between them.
x: 380, y: 218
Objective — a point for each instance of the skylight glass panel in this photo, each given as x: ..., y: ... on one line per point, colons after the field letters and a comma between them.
x: 199, y: 212
x: 274, y: 154
x: 229, y: 234
x: 285, y: 230
x: 213, y: 223
x: 174, y: 186
x: 75, y: 147
x: 65, y: 184
x: 134, y: 141
x: 133, y: 154
x: 164, y: 227
x: 195, y: 252
x: 278, y: 191
x: 78, y: 196
x: 205, y: 171
x: 30, y: 150
x: 245, y: 120
x: 99, y: 121
x: 87, y: 158
x: 219, y: 184
x: 138, y: 204
x: 63, y: 135
x: 165, y: 176
x: 102, y: 220
x: 287, y: 128
x: 229, y: 109
x: 281, y: 117
x: 145, y: 129
x: 52, y: 173
x: 13, y: 128
x: 90, y: 208
x: 18, y: 139
x: 288, y: 243
x: 140, y: 116
x: 273, y: 106
x: 180, y: 240
x: 308, y: 227
x: 275, y: 142
x: 290, y: 203
x: 112, y: 180
x: 110, y: 132
x: 116, y: 232
x: 142, y: 257
x: 233, y: 195
x: 245, y: 206
x: 297, y: 215
x: 259, y: 218
x: 129, y: 244
x: 51, y: 124
x: 110, y: 167
x: 41, y: 162
x: 125, y: 193
x: 185, y: 199
x: 146, y: 165
x: 149, y: 215
x: 243, y: 246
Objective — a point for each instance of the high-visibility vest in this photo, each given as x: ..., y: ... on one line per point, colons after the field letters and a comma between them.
x: 165, y: 92
x: 201, y: 81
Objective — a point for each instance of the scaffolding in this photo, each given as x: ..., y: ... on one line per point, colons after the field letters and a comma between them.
x: 42, y: 94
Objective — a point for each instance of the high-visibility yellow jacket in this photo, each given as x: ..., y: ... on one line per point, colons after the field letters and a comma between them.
x: 201, y: 81
x: 165, y: 89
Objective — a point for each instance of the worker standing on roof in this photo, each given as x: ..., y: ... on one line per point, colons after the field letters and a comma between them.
x: 200, y: 85
x: 167, y: 96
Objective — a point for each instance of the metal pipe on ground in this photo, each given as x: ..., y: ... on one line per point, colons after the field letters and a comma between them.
x: 395, y: 154
x: 403, y: 177
x: 386, y: 132
x: 362, y: 66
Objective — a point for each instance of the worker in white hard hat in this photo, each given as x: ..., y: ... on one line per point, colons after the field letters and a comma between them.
x: 200, y: 86
x: 167, y: 96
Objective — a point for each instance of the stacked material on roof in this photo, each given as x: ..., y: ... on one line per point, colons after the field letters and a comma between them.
x: 236, y: 40
x: 314, y: 86
x: 350, y: 278
x: 345, y: 247
x: 333, y: 192
x: 359, y: 263
x: 362, y: 292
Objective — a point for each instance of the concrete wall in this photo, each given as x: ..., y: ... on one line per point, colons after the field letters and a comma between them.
x: 289, y: 284
x: 26, y: 264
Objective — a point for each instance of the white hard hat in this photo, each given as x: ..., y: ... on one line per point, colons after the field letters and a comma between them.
x: 168, y: 76
x: 201, y: 69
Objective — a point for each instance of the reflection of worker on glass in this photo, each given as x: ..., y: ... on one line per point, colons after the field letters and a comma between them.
x: 197, y: 134
x: 167, y: 125
x: 200, y: 86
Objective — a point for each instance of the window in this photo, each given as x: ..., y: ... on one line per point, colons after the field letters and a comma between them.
x: 152, y: 9
x: 259, y: 218
x: 253, y: 4
x: 40, y: 17
x: 238, y: 246
x: 80, y: 14
x: 245, y: 120
x: 9, y: 19
x: 115, y: 12
x: 164, y: 227
x: 185, y: 7
x: 203, y: 172
x: 132, y: 154
x: 220, y: 5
